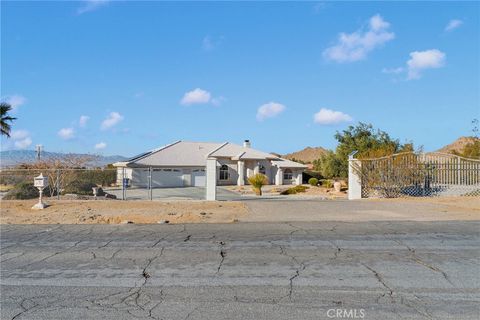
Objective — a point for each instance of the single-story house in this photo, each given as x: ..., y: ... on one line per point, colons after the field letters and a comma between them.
x: 183, y: 163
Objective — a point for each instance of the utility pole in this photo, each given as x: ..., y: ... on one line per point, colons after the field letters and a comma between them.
x: 38, y: 150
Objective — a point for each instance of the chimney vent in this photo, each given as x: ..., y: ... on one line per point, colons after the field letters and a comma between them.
x: 246, y: 144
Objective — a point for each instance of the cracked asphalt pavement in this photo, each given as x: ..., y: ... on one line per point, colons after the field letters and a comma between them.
x: 390, y: 270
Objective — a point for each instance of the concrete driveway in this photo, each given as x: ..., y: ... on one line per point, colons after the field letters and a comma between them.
x: 183, y: 193
x: 383, y: 270
x: 198, y: 193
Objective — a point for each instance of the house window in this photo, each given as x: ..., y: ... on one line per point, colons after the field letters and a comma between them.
x: 224, y: 174
x: 262, y: 170
x: 287, y: 174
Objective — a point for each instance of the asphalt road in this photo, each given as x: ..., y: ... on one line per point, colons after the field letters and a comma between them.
x: 382, y: 270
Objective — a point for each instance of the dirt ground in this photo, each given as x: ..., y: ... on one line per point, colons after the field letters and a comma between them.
x: 115, y: 212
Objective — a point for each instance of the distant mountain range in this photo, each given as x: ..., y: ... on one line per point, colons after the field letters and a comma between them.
x: 307, y: 155
x: 458, y: 145
x: 14, y: 157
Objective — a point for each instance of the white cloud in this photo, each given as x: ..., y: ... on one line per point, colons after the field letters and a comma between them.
x: 393, y: 70
x: 66, y: 133
x: 113, y: 119
x: 19, y: 134
x: 15, y: 101
x: 356, y: 46
x: 453, y: 24
x: 196, y: 96
x: 421, y: 60
x: 328, y: 116
x: 269, y: 110
x: 91, y: 5
x: 24, y: 143
x: 100, y: 146
x: 82, y: 122
x: 21, y: 139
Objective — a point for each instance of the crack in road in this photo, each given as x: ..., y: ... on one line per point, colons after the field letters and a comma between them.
x: 415, y: 258
x: 168, y: 235
x: 337, y: 249
x: 52, y: 255
x: 25, y: 309
x: 301, y: 267
x: 223, y: 254
x: 380, y: 279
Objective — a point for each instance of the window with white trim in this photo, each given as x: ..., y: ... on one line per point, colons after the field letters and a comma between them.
x: 224, y: 174
x: 287, y: 174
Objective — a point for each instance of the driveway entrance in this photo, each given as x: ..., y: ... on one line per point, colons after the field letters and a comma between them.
x: 180, y: 193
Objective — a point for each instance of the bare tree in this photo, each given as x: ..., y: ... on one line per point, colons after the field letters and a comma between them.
x: 61, y: 170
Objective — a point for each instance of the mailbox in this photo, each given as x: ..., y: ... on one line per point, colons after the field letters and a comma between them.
x: 40, y: 181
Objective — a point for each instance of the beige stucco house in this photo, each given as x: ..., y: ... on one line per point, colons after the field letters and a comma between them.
x: 184, y: 163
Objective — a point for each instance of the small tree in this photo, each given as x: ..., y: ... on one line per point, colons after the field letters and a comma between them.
x: 258, y: 181
x: 363, y: 138
x: 60, y: 170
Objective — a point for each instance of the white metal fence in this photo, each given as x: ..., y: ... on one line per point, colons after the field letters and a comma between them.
x: 417, y: 174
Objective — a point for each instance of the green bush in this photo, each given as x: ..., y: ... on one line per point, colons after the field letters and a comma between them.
x: 294, y: 190
x: 99, y: 177
x: 79, y: 187
x: 327, y: 183
x: 22, y: 191
x: 313, y: 182
x: 307, y: 174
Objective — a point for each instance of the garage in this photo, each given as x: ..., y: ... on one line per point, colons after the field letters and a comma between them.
x: 198, y: 178
x: 167, y: 178
x: 160, y: 178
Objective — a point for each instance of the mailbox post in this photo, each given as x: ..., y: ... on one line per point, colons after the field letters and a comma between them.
x: 40, y: 183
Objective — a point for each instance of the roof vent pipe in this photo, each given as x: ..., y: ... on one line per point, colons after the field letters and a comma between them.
x: 246, y: 144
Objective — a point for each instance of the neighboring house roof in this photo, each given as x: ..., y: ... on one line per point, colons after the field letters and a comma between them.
x: 193, y: 154
x: 285, y: 163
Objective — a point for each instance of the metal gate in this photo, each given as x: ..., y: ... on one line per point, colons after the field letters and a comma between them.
x: 418, y: 174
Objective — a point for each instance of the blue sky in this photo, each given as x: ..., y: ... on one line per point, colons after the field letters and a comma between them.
x: 125, y: 77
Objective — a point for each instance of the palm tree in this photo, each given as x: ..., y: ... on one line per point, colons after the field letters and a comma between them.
x: 5, y: 118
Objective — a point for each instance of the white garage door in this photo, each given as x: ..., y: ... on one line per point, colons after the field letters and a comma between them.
x: 167, y: 178
x: 198, y: 178
x: 138, y: 178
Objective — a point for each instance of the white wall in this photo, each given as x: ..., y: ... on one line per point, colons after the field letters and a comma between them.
x: 354, y: 181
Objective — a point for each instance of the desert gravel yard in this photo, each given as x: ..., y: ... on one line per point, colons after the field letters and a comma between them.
x: 117, y: 211
x: 251, y: 210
